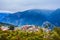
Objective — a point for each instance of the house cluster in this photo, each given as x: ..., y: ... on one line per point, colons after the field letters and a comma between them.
x: 30, y: 28
x: 3, y: 28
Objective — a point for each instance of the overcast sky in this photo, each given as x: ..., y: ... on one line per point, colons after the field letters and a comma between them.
x: 20, y: 5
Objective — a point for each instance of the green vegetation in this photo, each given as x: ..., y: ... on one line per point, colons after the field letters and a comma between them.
x: 53, y: 34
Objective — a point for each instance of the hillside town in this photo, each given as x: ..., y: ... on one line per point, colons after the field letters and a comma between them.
x: 29, y: 28
x: 45, y: 26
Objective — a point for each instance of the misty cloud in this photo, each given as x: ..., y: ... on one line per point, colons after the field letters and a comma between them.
x: 19, y: 5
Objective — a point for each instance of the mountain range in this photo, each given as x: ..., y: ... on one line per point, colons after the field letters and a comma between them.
x: 31, y: 17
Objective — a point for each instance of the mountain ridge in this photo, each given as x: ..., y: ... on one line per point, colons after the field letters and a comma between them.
x: 33, y: 16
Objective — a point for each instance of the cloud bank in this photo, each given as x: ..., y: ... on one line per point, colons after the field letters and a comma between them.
x: 20, y: 5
